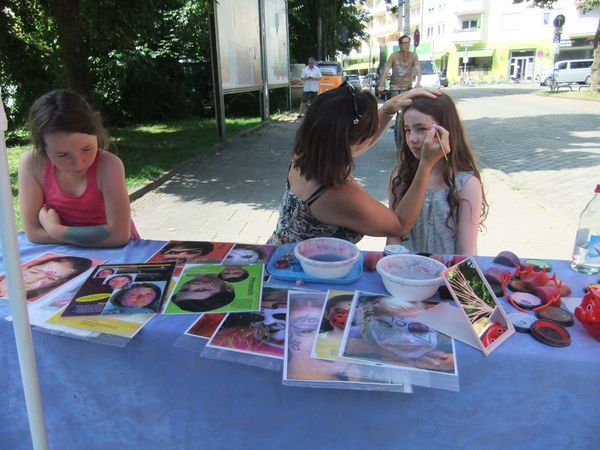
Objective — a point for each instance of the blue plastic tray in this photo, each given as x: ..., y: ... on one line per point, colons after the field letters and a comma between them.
x: 297, y: 273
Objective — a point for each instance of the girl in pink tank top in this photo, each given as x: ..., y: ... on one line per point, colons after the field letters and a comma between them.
x: 70, y: 191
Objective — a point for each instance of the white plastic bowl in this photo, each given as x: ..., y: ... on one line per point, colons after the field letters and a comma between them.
x: 410, y: 278
x: 325, y: 257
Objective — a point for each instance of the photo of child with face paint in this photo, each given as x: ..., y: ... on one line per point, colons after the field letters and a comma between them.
x: 393, y: 337
x: 261, y: 332
x: 48, y: 272
x: 138, y: 298
x: 332, y: 326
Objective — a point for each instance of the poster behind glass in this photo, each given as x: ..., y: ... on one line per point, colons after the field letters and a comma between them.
x: 239, y: 44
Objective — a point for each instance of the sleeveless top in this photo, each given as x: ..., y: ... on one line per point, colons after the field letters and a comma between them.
x: 297, y: 224
x: 402, y: 71
x: 430, y: 233
x: 82, y: 210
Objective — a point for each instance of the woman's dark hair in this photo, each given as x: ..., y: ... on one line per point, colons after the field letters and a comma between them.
x: 78, y: 263
x: 443, y: 111
x: 322, y: 144
x: 117, y: 299
x: 64, y: 111
x: 204, y: 247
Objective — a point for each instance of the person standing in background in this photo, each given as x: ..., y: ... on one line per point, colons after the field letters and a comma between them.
x: 310, y: 78
x: 402, y: 63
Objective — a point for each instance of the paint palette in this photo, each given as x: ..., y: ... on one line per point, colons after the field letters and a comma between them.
x: 284, y: 266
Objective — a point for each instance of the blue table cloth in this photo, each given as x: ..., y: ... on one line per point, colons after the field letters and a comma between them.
x: 151, y: 394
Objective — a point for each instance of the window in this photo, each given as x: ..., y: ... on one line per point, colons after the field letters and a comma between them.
x: 429, y: 31
x: 469, y: 24
x: 561, y: 66
x: 581, y: 64
x: 546, y: 18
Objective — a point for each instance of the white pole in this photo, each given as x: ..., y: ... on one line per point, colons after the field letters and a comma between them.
x: 18, y: 304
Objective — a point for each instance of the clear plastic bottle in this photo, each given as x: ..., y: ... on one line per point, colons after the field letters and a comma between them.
x: 586, y: 251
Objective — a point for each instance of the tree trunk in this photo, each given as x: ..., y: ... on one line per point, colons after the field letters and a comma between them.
x: 73, y: 47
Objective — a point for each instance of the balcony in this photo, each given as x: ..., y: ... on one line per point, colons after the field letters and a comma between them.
x: 462, y: 7
x: 470, y: 36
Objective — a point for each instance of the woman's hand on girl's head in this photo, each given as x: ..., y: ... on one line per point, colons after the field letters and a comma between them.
x: 404, y: 99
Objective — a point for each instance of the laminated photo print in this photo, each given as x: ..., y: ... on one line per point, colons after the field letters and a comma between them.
x: 203, y: 288
x: 332, y: 324
x: 48, y: 273
x: 392, y: 337
x: 249, y: 253
x: 191, y: 252
x: 260, y: 333
x: 206, y: 325
x: 300, y: 369
x: 122, y: 289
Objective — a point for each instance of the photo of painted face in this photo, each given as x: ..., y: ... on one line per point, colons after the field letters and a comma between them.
x: 136, y: 298
x: 42, y: 276
x: 119, y: 281
x: 393, y: 336
x: 271, y: 330
x: 182, y: 252
x: 233, y: 274
x: 203, y: 293
x: 245, y: 254
x: 103, y: 273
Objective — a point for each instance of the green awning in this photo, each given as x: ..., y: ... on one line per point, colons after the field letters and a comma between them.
x: 485, y: 53
x: 358, y: 66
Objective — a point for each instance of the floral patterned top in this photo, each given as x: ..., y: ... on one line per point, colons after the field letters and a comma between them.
x: 297, y: 224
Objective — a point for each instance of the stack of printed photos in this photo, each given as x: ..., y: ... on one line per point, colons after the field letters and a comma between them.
x: 334, y: 339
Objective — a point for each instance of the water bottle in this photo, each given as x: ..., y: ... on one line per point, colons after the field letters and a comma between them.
x: 586, y: 251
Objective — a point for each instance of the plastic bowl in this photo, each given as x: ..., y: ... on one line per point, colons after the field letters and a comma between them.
x: 325, y: 257
x: 410, y: 278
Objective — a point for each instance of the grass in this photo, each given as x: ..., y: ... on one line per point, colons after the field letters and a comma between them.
x: 583, y: 94
x: 148, y: 151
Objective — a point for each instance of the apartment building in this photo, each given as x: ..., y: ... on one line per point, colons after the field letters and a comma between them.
x: 485, y: 40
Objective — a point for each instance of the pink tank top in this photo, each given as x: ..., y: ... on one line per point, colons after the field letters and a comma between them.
x: 83, y: 210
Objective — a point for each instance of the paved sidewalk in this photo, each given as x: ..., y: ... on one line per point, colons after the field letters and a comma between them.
x: 232, y: 193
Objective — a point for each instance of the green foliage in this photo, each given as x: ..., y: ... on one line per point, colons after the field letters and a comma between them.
x: 139, y: 56
x: 342, y: 25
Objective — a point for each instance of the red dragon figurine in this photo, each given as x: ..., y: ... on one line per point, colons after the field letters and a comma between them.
x: 588, y: 313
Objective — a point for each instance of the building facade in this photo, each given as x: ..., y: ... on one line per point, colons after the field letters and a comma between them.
x: 484, y: 40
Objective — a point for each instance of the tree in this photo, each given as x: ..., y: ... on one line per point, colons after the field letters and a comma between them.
x: 583, y: 5
x: 322, y: 28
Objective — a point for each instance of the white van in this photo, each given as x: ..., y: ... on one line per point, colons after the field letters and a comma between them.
x: 569, y: 71
x: 430, y: 76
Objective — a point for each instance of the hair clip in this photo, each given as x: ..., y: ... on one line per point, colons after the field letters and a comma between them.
x: 355, y: 121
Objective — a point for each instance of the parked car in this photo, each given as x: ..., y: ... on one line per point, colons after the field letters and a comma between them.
x: 354, y: 80
x: 370, y: 80
x: 429, y: 73
x: 569, y: 71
